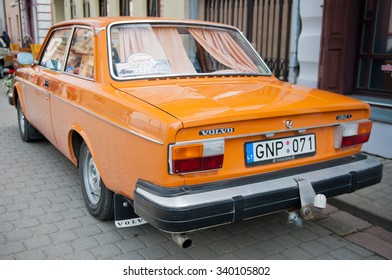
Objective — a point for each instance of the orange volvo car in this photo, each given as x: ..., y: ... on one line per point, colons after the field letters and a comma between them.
x: 182, y: 125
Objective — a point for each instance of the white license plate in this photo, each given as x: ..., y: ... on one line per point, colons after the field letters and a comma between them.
x: 279, y: 150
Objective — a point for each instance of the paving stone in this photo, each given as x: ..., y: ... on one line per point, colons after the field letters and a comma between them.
x: 222, y: 247
x: 217, y: 233
x: 27, y: 223
x: 344, y: 254
x: 51, y: 218
x: 87, y: 230
x: 19, y: 234
x: 73, y: 213
x: 106, y: 251
x: 153, y: 252
x: 130, y: 245
x: 11, y: 248
x: 179, y: 256
x: 269, y: 247
x: 108, y: 237
x: 62, y: 236
x: 84, y: 243
x: 332, y: 242
x: 2, y: 238
x: 6, y: 227
x: 241, y: 240
x: 44, y: 229
x: 37, y: 242
x: 200, y: 253
x: 380, y: 233
x: 10, y: 217
x: 372, y: 243
x: 315, y: 248
x: 248, y: 253
x: 303, y: 234
x: 68, y: 224
x: 286, y: 240
x: 80, y: 255
x: 260, y: 234
x: 297, y: 254
x: 36, y: 254
x: 57, y: 251
x: 362, y: 252
x: 153, y: 238
x: 33, y: 212
x: 129, y: 256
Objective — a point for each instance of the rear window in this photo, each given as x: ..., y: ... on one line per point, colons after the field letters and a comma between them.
x: 139, y: 50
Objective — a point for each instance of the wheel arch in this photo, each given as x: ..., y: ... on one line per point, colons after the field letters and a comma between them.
x: 76, y: 137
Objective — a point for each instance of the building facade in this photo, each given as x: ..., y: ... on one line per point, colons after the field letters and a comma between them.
x: 343, y: 46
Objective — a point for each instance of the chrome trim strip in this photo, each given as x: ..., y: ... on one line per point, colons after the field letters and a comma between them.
x: 188, y: 199
x: 92, y: 113
x: 269, y: 134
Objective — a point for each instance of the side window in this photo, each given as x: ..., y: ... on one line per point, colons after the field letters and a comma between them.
x: 81, y: 54
x: 53, y: 56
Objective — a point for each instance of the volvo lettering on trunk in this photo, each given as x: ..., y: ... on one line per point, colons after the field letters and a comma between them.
x: 216, y: 131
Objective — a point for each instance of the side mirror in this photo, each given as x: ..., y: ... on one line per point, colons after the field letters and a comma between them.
x: 25, y: 58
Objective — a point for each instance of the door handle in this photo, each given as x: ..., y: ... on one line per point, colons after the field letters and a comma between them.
x: 46, y: 83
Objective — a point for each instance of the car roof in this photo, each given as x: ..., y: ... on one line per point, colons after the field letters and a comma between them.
x: 102, y: 22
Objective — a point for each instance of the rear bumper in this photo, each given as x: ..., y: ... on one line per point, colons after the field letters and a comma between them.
x: 194, y: 207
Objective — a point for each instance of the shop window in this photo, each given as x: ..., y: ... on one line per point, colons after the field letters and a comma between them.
x: 126, y: 8
x: 86, y: 8
x: 374, y: 76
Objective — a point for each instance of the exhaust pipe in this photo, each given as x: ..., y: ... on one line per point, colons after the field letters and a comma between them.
x: 182, y: 240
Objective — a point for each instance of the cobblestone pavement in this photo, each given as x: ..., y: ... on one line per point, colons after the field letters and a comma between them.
x: 42, y: 216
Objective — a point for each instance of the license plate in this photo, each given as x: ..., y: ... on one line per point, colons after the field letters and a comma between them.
x: 279, y: 150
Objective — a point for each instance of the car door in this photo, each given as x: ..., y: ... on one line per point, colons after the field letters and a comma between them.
x: 44, y: 81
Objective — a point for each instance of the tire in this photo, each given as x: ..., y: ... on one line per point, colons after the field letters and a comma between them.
x: 97, y: 197
x: 27, y: 132
x: 1, y: 69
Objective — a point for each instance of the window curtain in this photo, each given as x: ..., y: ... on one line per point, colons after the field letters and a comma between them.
x: 139, y: 39
x: 173, y: 47
x: 224, y: 49
x: 160, y: 42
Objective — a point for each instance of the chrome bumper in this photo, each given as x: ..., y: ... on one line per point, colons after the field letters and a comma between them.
x: 194, y: 207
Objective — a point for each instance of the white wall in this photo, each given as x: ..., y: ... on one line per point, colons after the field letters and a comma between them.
x: 311, y: 12
x: 380, y: 140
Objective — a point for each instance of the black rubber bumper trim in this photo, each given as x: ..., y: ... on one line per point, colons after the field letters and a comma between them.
x: 185, y: 219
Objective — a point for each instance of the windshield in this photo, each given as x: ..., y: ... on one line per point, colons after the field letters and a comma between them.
x: 139, y: 50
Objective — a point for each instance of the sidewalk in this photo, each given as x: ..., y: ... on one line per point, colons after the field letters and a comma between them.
x: 373, y: 204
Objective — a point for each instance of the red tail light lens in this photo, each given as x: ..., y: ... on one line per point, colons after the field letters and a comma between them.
x: 355, y: 139
x: 198, y: 164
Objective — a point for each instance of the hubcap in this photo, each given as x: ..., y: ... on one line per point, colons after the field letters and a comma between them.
x: 91, y: 178
x: 22, y: 121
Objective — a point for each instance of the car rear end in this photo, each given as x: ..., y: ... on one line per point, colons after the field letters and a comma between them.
x: 245, y: 163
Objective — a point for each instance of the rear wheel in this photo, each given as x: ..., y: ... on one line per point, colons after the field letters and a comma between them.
x: 98, y: 198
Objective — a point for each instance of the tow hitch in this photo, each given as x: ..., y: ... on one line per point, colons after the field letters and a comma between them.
x: 311, y: 203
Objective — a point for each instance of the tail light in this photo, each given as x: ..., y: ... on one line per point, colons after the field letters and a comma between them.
x: 196, y: 156
x: 352, y: 133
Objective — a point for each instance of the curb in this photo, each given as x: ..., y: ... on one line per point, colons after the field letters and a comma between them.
x: 371, y: 213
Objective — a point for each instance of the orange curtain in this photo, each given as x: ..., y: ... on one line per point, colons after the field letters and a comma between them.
x: 224, y: 49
